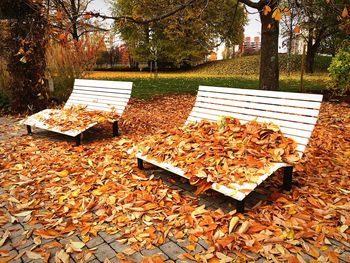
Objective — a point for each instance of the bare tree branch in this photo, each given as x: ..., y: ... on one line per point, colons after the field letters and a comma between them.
x: 153, y: 19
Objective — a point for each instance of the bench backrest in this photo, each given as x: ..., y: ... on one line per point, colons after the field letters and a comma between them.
x: 101, y: 95
x: 295, y: 113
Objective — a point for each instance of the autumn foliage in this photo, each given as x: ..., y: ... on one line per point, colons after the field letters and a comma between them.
x: 26, y: 57
x: 97, y: 187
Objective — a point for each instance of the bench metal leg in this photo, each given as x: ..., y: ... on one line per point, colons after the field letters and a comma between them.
x: 78, y: 139
x: 29, y: 129
x: 115, y: 128
x: 240, y: 206
x: 287, y: 178
x: 140, y: 163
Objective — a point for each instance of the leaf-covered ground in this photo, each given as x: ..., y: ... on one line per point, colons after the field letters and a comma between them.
x: 45, y: 180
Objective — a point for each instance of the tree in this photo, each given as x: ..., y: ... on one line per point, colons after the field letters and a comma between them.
x: 270, y: 13
x: 26, y: 46
x: 319, y: 24
x: 290, y: 29
x: 69, y: 17
x: 184, y: 38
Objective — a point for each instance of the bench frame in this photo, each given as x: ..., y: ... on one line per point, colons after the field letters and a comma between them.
x: 295, y: 113
x: 99, y: 95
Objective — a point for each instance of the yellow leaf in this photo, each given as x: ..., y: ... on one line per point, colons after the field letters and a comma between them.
x: 63, y: 173
x: 343, y: 228
x: 24, y: 213
x: 223, y: 258
x: 62, y: 255
x: 4, y: 237
x: 77, y: 245
x: 191, y: 247
x: 33, y: 255
x: 244, y: 227
x: 18, y: 167
x: 277, y: 14
x: 234, y: 220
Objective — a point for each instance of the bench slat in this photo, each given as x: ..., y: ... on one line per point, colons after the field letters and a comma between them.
x: 102, y: 90
x: 99, y: 98
x: 204, y: 101
x: 263, y: 100
x: 231, y: 111
x: 102, y: 106
x: 86, y: 101
x: 195, y: 116
x: 104, y: 84
x: 105, y: 94
x: 264, y: 93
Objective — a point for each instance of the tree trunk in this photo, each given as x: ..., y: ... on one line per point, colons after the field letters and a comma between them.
x: 312, y: 47
x: 26, y: 87
x: 74, y: 21
x: 269, y: 67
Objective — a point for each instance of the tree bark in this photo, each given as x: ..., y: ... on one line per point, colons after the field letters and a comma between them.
x: 269, y: 67
x: 312, y: 47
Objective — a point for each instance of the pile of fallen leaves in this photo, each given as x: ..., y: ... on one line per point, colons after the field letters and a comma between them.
x: 78, y: 118
x: 97, y: 187
x: 223, y: 152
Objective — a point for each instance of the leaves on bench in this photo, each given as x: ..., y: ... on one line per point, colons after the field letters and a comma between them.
x: 77, y: 118
x: 223, y: 152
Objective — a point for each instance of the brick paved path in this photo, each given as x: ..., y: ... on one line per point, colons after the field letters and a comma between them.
x: 106, y: 246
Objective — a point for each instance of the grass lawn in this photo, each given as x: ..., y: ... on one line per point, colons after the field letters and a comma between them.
x: 146, y: 87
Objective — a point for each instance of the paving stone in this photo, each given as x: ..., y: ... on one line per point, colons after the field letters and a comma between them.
x: 36, y: 226
x: 66, y: 240
x: 7, y: 246
x: 74, y: 256
x: 114, y: 260
x: 22, y: 242
x: 93, y: 261
x: 94, y: 242
x: 13, y: 253
x: 108, y: 238
x: 15, y: 230
x: 155, y: 251
x: 136, y: 257
x: 203, y: 243
x: 53, y: 252
x: 172, y: 250
x: 104, y: 251
x: 197, y: 250
x: 118, y: 247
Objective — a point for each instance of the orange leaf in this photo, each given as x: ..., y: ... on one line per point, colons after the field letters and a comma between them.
x: 332, y: 256
x: 266, y: 10
x: 296, y: 29
x: 313, y: 201
x: 47, y: 233
x: 345, y: 12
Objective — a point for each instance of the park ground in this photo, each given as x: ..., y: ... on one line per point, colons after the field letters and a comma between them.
x: 147, y: 85
x: 90, y: 203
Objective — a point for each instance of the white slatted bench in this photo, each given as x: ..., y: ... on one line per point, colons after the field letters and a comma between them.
x: 95, y: 95
x: 295, y: 113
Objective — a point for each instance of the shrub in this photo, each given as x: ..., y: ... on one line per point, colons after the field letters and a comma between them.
x: 68, y: 61
x: 339, y: 71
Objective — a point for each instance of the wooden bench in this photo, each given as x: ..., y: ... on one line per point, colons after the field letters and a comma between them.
x: 95, y: 95
x: 295, y: 113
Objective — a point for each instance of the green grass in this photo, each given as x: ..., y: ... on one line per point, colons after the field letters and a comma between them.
x: 146, y: 88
